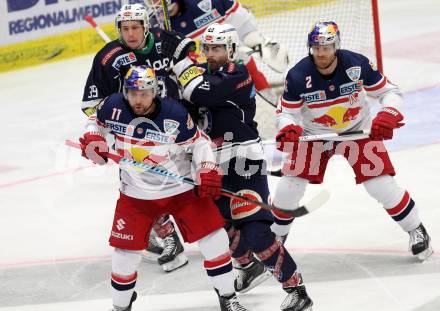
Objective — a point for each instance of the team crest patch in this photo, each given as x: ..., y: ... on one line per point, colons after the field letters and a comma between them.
x: 205, y: 5
x: 241, y: 209
x: 170, y: 126
x: 354, y: 73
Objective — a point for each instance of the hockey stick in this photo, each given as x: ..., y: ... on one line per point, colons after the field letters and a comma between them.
x: 346, y: 135
x: 313, y: 204
x: 166, y: 16
x: 89, y: 19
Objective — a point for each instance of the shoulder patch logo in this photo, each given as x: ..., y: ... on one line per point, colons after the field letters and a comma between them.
x: 354, y: 73
x: 205, y: 5
x: 170, y: 126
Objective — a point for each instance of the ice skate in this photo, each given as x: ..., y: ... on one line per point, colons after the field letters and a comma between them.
x: 420, y: 243
x: 297, y: 298
x: 231, y: 303
x: 251, y: 275
x: 153, y: 250
x: 133, y: 298
x: 172, y: 256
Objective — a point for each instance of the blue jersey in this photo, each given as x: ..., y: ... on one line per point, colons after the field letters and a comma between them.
x: 112, y: 62
x: 163, y: 139
x: 228, y: 98
x: 335, y: 103
x: 196, y: 15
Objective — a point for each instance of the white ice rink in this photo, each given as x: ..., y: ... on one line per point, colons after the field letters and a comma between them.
x: 56, y: 208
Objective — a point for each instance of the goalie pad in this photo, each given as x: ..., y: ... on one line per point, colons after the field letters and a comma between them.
x: 272, y: 53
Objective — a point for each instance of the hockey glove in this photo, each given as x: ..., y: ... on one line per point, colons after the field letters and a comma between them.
x: 209, y: 180
x: 385, y: 122
x: 176, y: 46
x: 94, y: 147
x: 288, y: 138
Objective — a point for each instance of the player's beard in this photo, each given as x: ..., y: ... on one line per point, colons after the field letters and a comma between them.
x: 320, y: 64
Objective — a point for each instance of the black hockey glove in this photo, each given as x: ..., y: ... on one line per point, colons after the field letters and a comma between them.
x: 176, y: 45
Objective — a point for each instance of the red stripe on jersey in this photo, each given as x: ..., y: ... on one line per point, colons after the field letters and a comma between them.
x: 192, y: 139
x: 401, y: 206
x: 377, y: 86
x: 281, y: 215
x: 233, y: 9
x: 217, y: 262
x: 134, y: 141
x: 291, y: 105
x: 331, y: 102
x: 122, y: 279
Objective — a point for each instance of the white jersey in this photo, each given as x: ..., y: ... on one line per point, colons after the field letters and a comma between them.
x: 337, y: 104
x: 165, y: 140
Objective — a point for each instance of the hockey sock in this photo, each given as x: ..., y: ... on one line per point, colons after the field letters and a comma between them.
x: 396, y: 201
x: 218, y: 262
x: 124, y: 275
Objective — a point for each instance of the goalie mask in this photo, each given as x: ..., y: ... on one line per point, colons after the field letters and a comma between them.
x: 222, y: 34
x: 140, y: 78
x: 133, y: 12
x: 324, y: 33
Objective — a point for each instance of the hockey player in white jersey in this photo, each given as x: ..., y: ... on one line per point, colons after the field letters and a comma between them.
x: 325, y: 93
x: 159, y: 132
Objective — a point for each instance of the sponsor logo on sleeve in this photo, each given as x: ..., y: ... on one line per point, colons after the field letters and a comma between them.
x: 354, y: 73
x: 109, y: 55
x: 350, y: 87
x: 189, y: 74
x: 120, y: 128
x: 123, y: 60
x: 207, y: 18
x: 314, y: 96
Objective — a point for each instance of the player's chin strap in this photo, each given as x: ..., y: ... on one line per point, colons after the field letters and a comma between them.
x: 321, y: 198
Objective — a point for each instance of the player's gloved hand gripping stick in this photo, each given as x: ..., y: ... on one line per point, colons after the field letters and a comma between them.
x: 321, y: 198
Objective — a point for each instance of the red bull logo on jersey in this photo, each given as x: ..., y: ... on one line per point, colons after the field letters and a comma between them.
x: 350, y: 87
x: 150, y: 156
x: 314, y: 96
x: 338, y: 117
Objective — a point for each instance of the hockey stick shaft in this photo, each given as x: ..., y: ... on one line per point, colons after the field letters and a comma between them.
x: 347, y: 135
x: 166, y: 16
x: 298, y: 212
x: 89, y: 19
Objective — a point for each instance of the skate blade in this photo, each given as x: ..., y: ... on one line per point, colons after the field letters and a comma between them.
x: 425, y: 254
x: 257, y: 281
x: 149, y: 257
x: 178, y: 262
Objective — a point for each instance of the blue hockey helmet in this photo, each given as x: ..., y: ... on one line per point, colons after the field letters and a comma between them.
x: 140, y: 78
x: 324, y: 33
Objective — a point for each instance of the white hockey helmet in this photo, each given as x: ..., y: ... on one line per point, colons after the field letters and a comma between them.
x: 222, y: 34
x: 133, y: 12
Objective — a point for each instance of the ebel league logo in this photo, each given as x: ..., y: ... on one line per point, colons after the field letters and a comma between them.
x: 354, y: 73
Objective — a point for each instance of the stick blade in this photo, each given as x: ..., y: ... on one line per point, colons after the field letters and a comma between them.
x: 316, y: 202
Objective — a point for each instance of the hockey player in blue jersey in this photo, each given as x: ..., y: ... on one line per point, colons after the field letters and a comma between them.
x: 192, y: 17
x: 325, y: 93
x: 159, y: 132
x: 138, y: 44
x: 225, y: 90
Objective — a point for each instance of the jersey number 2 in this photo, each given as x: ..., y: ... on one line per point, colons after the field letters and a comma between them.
x: 308, y: 82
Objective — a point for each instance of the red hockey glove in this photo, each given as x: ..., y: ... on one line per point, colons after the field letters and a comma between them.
x: 209, y: 180
x: 94, y: 147
x: 385, y: 122
x: 288, y: 138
